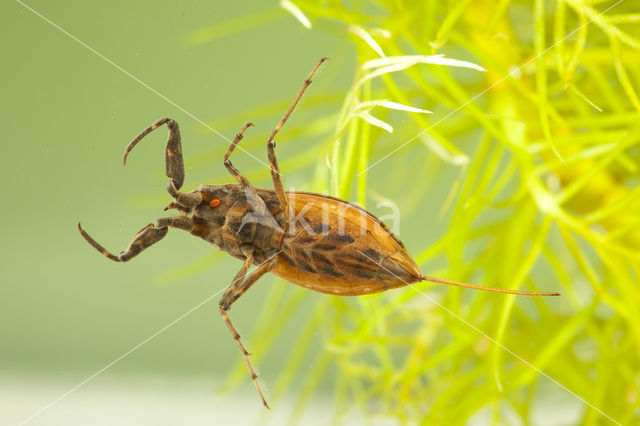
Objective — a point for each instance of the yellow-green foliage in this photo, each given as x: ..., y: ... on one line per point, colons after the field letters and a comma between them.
x: 546, y: 199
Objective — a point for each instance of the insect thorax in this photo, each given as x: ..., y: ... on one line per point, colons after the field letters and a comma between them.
x: 238, y: 218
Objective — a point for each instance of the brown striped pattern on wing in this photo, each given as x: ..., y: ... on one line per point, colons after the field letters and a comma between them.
x: 342, y: 249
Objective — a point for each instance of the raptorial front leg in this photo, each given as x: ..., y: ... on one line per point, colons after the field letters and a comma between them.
x: 239, y: 285
x: 271, y: 145
x: 144, y: 238
x: 173, y: 162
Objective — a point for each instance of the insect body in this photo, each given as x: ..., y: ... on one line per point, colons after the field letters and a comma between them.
x: 313, y: 240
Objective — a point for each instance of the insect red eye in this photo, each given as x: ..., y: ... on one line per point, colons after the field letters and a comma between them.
x: 214, y: 203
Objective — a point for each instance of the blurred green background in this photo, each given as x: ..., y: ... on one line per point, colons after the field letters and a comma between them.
x: 533, y: 185
x: 66, y: 311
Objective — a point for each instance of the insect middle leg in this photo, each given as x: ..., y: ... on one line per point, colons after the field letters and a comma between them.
x: 271, y: 145
x: 144, y: 238
x: 227, y: 163
x: 253, y: 198
x: 239, y: 285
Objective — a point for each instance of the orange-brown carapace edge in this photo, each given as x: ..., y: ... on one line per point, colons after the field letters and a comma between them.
x: 335, y: 247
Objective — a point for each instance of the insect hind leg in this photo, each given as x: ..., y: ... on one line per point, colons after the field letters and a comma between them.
x: 271, y: 145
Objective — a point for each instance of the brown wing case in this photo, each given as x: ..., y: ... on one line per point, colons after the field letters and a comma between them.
x: 335, y: 247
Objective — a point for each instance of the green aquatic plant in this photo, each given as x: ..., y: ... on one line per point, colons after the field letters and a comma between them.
x: 539, y: 156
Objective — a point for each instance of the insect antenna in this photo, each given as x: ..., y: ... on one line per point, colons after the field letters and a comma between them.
x: 495, y: 290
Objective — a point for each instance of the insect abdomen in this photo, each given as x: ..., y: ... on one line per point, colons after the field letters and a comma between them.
x: 335, y: 247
